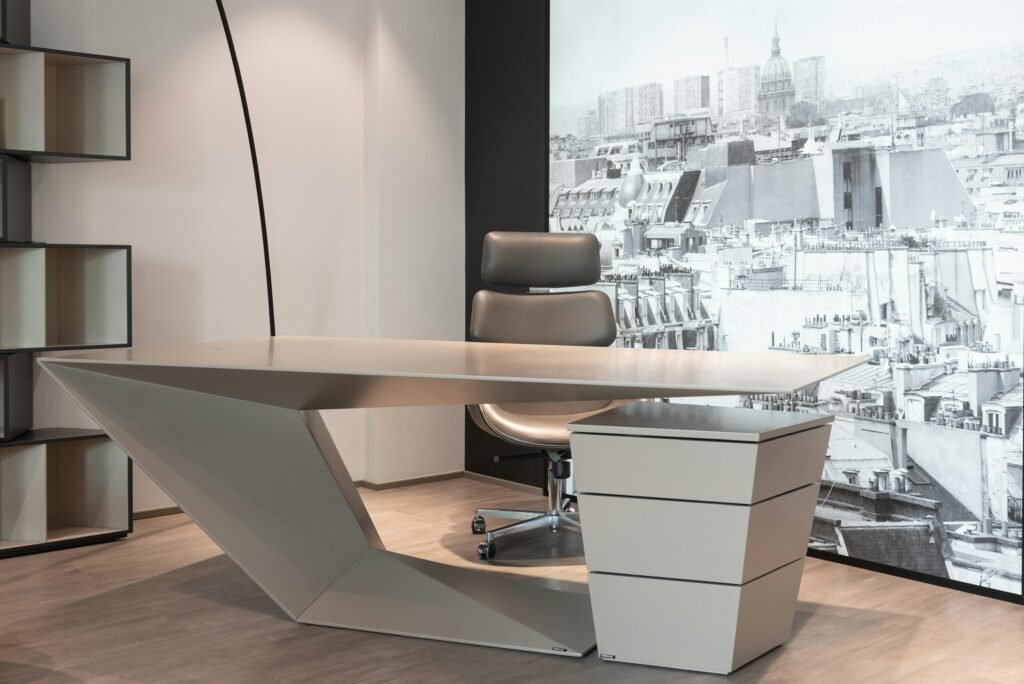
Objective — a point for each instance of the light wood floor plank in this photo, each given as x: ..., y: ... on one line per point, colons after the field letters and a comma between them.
x: 166, y: 605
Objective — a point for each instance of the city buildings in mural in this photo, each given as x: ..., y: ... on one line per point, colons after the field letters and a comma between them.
x: 786, y: 206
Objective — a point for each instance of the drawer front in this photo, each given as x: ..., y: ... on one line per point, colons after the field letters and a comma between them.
x: 789, y: 462
x: 697, y: 470
x: 693, y: 540
x: 692, y: 625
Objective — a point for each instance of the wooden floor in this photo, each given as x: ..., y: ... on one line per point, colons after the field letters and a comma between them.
x: 166, y: 605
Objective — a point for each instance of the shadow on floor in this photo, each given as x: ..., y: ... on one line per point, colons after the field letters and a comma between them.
x: 210, y: 621
x: 20, y: 665
x: 220, y: 580
x: 540, y: 547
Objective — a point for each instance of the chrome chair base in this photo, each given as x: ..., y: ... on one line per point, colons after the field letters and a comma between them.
x: 558, y: 516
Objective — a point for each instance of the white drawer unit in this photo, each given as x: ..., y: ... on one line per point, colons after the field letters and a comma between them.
x: 695, y: 540
x: 692, y: 625
x: 694, y: 469
x: 695, y: 524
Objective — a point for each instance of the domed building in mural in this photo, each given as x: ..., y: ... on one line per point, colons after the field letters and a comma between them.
x: 777, y: 93
x: 632, y: 184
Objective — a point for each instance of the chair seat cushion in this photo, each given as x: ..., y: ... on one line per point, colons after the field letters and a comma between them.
x: 540, y: 425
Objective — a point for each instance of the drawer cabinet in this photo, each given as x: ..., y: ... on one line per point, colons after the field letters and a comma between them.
x: 695, y: 524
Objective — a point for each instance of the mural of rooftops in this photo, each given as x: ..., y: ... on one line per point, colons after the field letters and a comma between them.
x: 772, y: 180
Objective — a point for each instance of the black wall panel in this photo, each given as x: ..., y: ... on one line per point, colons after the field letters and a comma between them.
x: 506, y: 160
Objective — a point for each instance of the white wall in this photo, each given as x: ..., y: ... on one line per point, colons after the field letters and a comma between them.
x: 303, y: 65
x: 357, y: 109
x: 415, y: 114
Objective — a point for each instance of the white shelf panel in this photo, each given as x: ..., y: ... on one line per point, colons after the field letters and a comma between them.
x: 23, y: 495
x: 23, y: 92
x: 22, y: 298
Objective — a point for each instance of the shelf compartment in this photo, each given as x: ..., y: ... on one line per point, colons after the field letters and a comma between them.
x: 62, y: 487
x: 15, y: 200
x: 16, y: 395
x: 60, y: 105
x: 22, y: 496
x: 87, y: 296
x: 64, y: 296
x: 86, y: 105
x: 86, y: 489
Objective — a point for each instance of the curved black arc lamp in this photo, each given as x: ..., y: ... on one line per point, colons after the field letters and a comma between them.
x: 255, y: 164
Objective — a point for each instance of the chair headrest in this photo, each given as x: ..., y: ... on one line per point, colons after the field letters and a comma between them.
x: 514, y: 259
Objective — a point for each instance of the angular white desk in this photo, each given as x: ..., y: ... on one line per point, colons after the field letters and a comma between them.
x: 231, y: 432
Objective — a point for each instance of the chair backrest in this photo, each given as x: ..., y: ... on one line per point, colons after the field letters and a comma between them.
x: 542, y: 260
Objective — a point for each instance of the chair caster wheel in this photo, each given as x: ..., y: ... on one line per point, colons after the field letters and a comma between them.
x: 478, y: 525
x: 486, y: 550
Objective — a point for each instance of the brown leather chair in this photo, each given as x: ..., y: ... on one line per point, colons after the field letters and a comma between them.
x: 539, y: 260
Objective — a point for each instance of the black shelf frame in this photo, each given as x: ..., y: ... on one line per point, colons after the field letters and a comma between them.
x: 51, y: 436
x: 51, y: 156
x: 15, y: 21
x: 128, y: 285
x: 16, y: 191
x: 17, y: 392
x: 16, y: 232
x: 57, y: 544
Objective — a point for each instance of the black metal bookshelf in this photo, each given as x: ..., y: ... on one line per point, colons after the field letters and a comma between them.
x: 59, y: 487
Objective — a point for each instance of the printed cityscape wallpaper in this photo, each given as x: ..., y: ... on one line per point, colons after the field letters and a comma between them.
x: 768, y: 176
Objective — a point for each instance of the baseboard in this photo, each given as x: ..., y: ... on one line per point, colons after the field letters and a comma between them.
x: 156, y: 512
x: 508, y: 484
x: 376, y: 486
x: 895, y: 571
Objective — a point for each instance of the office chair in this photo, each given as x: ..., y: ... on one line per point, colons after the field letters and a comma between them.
x: 538, y: 260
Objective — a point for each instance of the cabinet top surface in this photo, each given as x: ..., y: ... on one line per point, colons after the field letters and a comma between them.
x: 665, y: 372
x: 689, y: 421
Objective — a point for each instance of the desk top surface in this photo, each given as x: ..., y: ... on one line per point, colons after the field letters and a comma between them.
x: 688, y: 421
x: 656, y: 369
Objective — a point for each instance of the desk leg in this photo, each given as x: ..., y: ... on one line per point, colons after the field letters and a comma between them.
x: 267, y: 485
